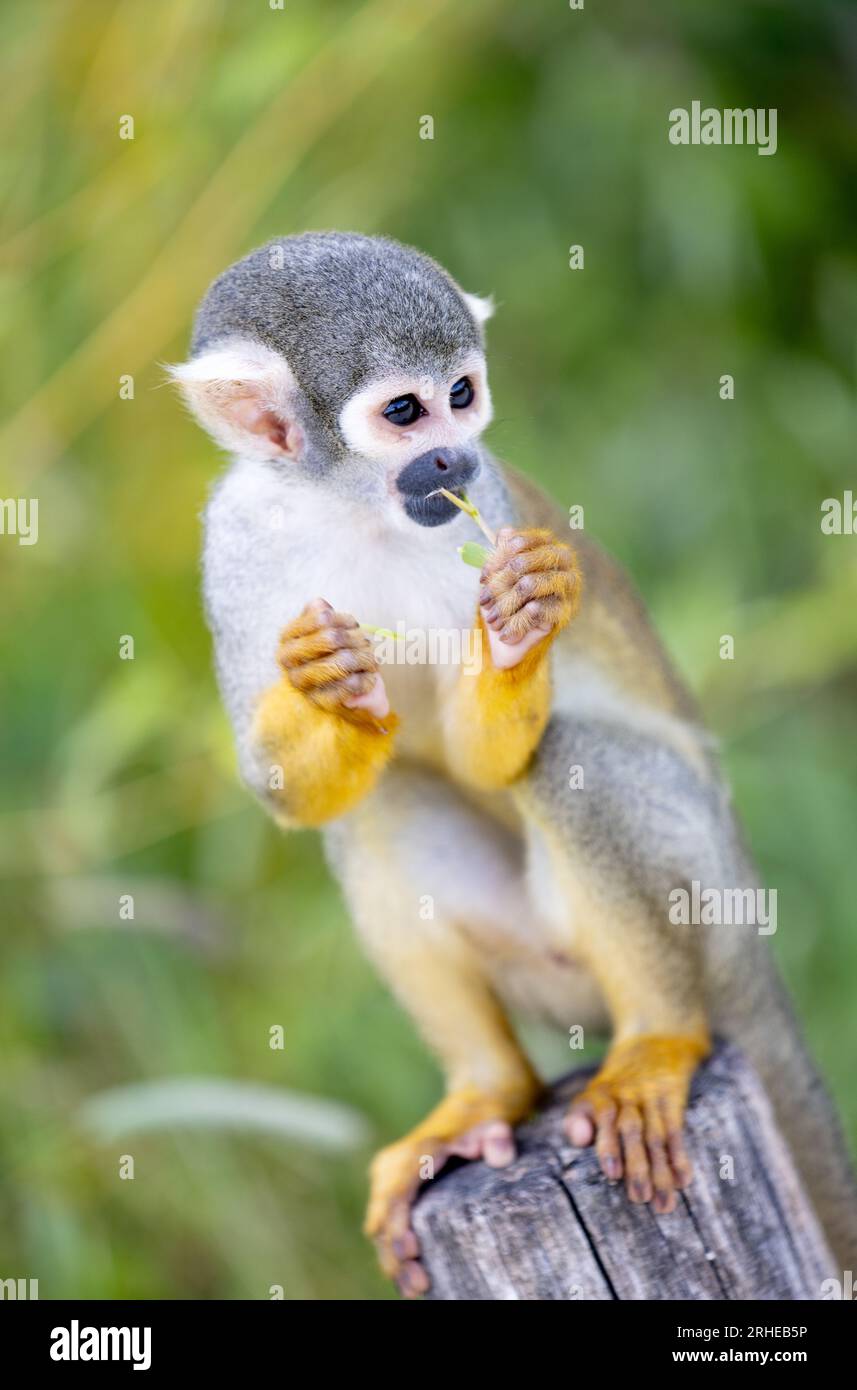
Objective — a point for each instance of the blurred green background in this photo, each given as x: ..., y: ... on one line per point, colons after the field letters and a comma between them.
x: 118, y: 776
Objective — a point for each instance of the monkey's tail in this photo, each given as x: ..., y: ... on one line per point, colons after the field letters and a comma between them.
x: 765, y: 1027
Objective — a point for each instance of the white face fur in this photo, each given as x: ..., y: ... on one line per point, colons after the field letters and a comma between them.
x: 246, y: 396
x: 373, y: 436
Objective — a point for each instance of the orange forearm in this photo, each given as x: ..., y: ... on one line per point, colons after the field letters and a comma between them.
x: 496, y: 718
x: 322, y: 762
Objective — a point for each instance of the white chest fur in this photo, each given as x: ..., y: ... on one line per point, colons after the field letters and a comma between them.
x: 415, y: 584
x: 289, y: 544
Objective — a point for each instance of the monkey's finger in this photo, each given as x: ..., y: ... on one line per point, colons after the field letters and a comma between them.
x: 338, y: 693
x: 551, y: 584
x: 514, y: 539
x: 325, y: 681
x: 318, y: 613
x: 340, y: 619
x: 334, y: 668
x: 556, y: 601
x: 541, y: 560
x: 638, y: 1179
x: 543, y: 613
x: 503, y: 603
x: 512, y: 542
x: 324, y: 641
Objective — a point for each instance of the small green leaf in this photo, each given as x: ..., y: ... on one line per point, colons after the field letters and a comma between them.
x: 473, y: 554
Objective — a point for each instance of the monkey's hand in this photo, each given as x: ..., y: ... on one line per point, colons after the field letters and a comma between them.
x: 328, y: 657
x: 530, y: 590
x: 326, y: 727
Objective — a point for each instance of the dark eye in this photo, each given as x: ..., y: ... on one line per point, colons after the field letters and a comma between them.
x: 461, y: 394
x: 404, y: 410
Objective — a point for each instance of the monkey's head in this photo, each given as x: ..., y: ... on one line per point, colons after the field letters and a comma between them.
x: 347, y: 360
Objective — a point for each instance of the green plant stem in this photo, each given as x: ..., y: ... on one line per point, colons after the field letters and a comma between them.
x: 465, y: 505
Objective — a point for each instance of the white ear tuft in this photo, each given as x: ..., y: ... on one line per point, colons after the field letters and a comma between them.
x: 244, y: 394
x: 481, y: 308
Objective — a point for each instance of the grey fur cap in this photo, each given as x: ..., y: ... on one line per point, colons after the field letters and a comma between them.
x: 340, y: 307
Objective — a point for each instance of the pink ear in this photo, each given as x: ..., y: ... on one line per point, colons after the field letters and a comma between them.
x: 250, y: 413
x: 245, y: 395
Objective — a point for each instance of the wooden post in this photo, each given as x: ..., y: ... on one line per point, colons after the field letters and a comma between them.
x: 551, y: 1227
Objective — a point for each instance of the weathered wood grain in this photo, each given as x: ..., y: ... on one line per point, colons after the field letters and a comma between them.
x: 552, y: 1228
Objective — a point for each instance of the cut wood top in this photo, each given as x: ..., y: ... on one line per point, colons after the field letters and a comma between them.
x: 551, y: 1227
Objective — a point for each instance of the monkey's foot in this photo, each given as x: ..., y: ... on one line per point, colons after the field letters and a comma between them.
x: 530, y: 589
x: 633, y: 1110
x: 398, y: 1172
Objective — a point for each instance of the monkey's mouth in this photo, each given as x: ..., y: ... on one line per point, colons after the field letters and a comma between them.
x: 421, y: 480
x: 431, y: 509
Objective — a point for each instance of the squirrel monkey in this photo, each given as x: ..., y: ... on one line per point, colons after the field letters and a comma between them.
x: 346, y: 376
